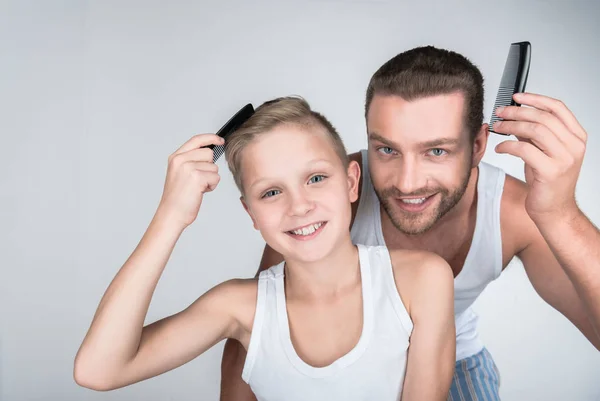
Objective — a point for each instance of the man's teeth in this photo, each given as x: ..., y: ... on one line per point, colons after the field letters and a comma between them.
x: 414, y: 201
x: 308, y: 229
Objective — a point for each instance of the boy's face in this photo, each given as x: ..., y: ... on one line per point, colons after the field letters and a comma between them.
x: 297, y: 191
x: 420, y: 157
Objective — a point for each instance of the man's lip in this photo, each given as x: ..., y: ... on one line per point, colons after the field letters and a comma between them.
x: 414, y: 197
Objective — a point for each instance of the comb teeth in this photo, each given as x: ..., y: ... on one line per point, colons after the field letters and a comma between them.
x: 218, y: 152
x: 511, y: 79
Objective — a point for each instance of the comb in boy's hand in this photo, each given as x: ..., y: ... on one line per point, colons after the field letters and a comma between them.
x: 234, y: 123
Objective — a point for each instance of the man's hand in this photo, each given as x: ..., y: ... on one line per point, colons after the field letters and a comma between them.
x: 552, y: 144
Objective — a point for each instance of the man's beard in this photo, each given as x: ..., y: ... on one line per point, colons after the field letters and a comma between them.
x: 419, y: 223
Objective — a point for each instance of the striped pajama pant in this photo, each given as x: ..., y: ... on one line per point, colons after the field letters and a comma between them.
x: 476, y: 378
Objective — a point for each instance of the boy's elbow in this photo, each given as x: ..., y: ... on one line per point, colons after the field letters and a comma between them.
x: 91, y: 377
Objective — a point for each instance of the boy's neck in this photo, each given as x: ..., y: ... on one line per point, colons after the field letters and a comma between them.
x: 324, y: 279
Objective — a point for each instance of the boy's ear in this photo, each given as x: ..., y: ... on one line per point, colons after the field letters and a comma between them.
x: 247, y: 209
x: 353, y: 180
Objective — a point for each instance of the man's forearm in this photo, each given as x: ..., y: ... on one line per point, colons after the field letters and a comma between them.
x: 575, y: 242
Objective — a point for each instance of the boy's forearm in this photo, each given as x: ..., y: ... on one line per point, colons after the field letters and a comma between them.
x: 115, y: 332
x: 429, y: 373
x: 575, y: 242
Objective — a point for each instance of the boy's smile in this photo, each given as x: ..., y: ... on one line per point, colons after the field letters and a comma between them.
x: 297, y: 191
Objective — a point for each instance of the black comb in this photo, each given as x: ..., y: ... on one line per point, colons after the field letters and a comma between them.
x: 234, y: 123
x: 514, y: 78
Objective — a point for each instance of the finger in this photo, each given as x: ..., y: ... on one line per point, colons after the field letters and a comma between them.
x: 533, y: 115
x: 194, y: 155
x: 538, y: 134
x: 208, y: 167
x: 530, y: 154
x: 556, y: 107
x: 198, y: 141
x: 212, y: 179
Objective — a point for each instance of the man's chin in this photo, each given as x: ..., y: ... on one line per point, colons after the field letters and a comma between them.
x: 414, y: 224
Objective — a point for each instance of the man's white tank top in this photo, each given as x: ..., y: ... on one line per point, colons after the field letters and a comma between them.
x: 484, y: 259
x: 373, y: 370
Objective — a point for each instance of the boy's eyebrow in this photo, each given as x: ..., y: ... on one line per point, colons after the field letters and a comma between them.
x: 309, y: 164
x: 426, y: 144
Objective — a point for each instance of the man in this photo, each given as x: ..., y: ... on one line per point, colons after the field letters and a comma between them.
x: 424, y: 187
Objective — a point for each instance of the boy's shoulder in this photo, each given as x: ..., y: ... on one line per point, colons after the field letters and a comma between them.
x: 238, y: 298
x: 418, y: 262
x: 419, y: 273
x: 413, y: 265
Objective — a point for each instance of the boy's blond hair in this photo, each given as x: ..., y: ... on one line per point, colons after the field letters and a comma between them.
x: 291, y: 110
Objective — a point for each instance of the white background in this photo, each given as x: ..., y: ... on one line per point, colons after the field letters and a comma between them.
x: 95, y: 95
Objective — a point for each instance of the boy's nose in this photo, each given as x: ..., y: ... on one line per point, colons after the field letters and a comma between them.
x: 301, y: 204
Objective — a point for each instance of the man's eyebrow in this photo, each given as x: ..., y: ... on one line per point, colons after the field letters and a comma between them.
x: 385, y: 141
x: 440, y: 142
x: 427, y: 144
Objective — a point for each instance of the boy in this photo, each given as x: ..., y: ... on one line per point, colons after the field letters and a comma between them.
x: 333, y: 320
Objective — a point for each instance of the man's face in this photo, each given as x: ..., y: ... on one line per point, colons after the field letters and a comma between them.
x: 420, y: 157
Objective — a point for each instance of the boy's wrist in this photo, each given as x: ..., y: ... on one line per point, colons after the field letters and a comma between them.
x: 167, y: 221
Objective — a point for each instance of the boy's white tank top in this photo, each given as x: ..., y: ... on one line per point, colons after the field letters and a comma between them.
x: 373, y: 370
x: 484, y: 259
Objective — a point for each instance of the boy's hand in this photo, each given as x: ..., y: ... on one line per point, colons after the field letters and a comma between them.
x: 190, y: 173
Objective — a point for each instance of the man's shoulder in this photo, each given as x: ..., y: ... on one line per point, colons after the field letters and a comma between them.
x: 516, y: 225
x: 515, y: 191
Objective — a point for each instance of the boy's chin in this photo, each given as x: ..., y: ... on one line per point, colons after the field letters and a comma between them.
x: 305, y: 253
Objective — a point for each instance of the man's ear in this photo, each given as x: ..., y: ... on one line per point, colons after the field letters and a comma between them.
x: 353, y: 180
x: 247, y: 209
x: 479, y: 145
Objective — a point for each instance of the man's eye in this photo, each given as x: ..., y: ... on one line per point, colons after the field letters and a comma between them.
x: 438, y: 152
x: 386, y: 150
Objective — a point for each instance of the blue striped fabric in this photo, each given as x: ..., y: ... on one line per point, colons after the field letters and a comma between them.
x: 476, y: 378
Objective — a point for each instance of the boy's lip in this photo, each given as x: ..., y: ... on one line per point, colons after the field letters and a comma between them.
x: 307, y: 225
x: 308, y: 237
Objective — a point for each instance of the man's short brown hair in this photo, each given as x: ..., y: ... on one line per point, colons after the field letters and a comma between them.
x: 429, y: 71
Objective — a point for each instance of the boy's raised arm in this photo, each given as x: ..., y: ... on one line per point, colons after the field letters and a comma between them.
x: 118, y: 350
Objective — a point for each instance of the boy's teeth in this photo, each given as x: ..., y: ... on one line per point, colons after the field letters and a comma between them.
x: 414, y: 201
x: 308, y: 229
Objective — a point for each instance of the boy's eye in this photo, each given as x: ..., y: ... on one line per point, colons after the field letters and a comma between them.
x: 386, y: 150
x: 316, y: 178
x: 437, y: 152
x: 270, y: 193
